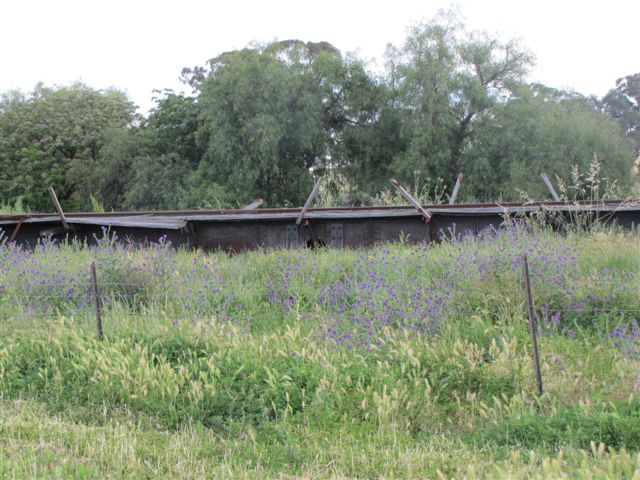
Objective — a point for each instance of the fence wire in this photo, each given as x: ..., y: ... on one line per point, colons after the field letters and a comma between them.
x: 131, y: 299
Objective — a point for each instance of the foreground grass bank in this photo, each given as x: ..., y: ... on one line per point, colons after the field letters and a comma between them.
x: 397, y: 362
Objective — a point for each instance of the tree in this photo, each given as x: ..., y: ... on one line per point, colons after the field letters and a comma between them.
x: 169, y: 156
x: 623, y: 104
x: 146, y: 167
x: 109, y: 176
x: 47, y: 131
x: 367, y: 148
x: 542, y: 130
x: 270, y: 117
x: 172, y: 126
x: 443, y: 80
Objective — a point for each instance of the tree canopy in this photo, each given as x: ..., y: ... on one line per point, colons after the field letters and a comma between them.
x: 542, y: 130
x: 46, y: 132
x: 266, y: 120
x: 439, y: 84
x: 623, y: 104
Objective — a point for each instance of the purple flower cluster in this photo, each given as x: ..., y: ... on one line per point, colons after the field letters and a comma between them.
x: 496, y: 254
x: 565, y: 294
x: 48, y: 280
x: 129, y: 274
x: 153, y: 275
x: 361, y: 300
x: 202, y: 290
x: 291, y: 281
x: 626, y: 336
x: 42, y: 280
x: 382, y: 293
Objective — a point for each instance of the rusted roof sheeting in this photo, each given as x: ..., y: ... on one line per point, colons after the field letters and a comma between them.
x: 345, y: 227
x: 141, y: 221
x: 178, y: 219
x: 169, y: 223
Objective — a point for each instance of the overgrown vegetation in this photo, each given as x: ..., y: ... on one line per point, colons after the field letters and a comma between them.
x: 394, y: 362
x: 263, y: 121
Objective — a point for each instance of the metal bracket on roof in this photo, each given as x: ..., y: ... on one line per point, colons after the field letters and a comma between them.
x: 425, y: 213
x: 454, y: 194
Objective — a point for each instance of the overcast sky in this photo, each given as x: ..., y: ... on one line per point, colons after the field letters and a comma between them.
x: 139, y: 46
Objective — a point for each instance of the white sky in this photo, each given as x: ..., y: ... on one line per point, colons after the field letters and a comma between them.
x: 140, y: 45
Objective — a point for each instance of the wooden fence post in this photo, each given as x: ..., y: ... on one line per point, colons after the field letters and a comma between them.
x: 310, y: 199
x: 96, y: 300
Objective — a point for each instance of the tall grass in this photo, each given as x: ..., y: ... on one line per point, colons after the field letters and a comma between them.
x: 263, y: 365
x: 15, y: 208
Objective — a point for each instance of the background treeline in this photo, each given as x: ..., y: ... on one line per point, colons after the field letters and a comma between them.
x: 266, y: 120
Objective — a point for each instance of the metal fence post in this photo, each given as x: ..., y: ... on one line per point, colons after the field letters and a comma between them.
x: 532, y: 323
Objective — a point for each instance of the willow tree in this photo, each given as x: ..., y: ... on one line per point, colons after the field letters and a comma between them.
x: 443, y: 79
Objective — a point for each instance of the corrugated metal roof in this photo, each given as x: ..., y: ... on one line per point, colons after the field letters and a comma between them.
x: 175, y: 220
x: 143, y: 221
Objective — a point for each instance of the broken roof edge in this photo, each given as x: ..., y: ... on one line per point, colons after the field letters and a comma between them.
x: 175, y: 220
x: 169, y: 223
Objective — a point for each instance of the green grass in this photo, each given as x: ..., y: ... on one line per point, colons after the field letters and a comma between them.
x: 264, y: 396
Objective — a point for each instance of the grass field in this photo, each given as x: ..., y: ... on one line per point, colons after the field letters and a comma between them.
x: 394, y: 362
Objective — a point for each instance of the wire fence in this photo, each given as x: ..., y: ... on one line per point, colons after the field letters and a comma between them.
x: 85, y: 296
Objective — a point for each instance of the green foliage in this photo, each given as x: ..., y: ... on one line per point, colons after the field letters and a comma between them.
x: 444, y: 80
x: 45, y: 133
x: 146, y: 167
x: 264, y: 125
x: 96, y: 206
x: 588, y: 185
x: 265, y: 121
x: 168, y: 156
x: 613, y: 425
x: 14, y: 208
x: 176, y: 380
x: 367, y: 150
x: 261, y: 394
x: 545, y: 130
x: 623, y: 104
x: 108, y: 177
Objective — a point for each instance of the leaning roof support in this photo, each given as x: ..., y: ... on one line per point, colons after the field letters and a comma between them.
x: 16, y: 229
x: 314, y: 192
x: 426, y: 214
x: 56, y: 204
x: 454, y: 194
x: 552, y: 190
